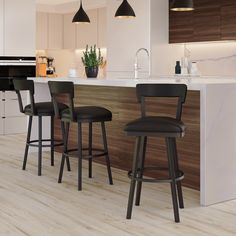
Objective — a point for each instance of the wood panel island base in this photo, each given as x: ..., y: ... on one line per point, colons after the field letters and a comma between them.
x: 207, y: 153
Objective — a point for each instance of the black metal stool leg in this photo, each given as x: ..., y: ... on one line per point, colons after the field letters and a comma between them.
x: 140, y: 168
x: 27, y: 142
x: 179, y: 185
x: 90, y: 143
x: 106, y: 151
x: 133, y: 181
x: 79, y: 156
x: 67, y: 130
x: 40, y: 146
x: 63, y: 152
x: 170, y: 154
x: 52, y: 140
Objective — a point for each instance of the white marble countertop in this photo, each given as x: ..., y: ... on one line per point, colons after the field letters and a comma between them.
x: 193, y: 83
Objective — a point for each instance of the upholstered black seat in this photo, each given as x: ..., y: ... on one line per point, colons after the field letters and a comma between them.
x: 156, y: 126
x: 88, y: 114
x: 43, y: 108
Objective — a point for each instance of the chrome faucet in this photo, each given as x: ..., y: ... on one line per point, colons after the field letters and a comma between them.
x: 136, y: 67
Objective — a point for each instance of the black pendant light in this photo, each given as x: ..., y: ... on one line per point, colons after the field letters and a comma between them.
x: 182, y: 5
x: 81, y: 16
x: 125, y: 10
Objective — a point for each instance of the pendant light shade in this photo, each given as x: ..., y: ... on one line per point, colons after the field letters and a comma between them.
x: 182, y: 5
x: 125, y: 10
x: 81, y: 16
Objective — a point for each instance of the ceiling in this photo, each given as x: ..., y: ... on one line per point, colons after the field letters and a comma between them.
x: 57, y: 2
x: 65, y: 6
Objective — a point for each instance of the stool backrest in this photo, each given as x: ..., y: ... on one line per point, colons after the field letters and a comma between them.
x: 24, y: 85
x: 162, y: 90
x: 58, y: 89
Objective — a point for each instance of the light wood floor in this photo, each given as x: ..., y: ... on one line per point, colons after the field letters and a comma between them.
x: 39, y: 206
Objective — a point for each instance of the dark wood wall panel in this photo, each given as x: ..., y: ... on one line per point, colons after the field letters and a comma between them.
x: 123, y: 104
x: 228, y: 18
x: 212, y: 20
x: 207, y: 20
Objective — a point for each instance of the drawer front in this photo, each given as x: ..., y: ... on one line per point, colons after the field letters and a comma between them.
x: 13, y: 95
x: 15, y: 125
x: 2, y: 108
x: 12, y: 108
x: 1, y: 126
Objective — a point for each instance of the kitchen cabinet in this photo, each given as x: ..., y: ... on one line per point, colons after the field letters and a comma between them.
x: 19, y: 28
x: 41, y: 30
x: 207, y: 20
x: 102, y: 27
x: 1, y: 27
x: 69, y: 32
x: 228, y: 13
x: 11, y: 120
x: 55, y: 31
x: 86, y: 34
x: 212, y: 20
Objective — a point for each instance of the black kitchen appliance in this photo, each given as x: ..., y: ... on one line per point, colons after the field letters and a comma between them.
x: 15, y: 67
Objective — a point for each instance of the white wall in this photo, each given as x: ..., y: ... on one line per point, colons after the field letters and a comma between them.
x: 126, y: 36
x: 164, y: 55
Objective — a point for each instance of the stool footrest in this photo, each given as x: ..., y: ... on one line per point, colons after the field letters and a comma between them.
x: 70, y: 151
x: 179, y: 177
x: 56, y: 143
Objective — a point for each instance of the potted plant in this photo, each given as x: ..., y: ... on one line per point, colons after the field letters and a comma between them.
x: 92, y: 59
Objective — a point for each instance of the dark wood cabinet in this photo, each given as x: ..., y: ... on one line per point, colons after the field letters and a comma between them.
x: 212, y: 20
x: 228, y: 20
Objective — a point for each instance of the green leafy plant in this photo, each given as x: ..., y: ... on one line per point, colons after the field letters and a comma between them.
x: 91, y: 58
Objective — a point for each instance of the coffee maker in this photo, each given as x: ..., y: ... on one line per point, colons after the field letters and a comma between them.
x: 50, y: 67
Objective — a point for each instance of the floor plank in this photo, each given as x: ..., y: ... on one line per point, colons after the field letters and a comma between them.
x: 38, y: 206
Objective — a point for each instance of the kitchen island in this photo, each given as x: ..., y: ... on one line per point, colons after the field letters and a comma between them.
x: 207, y: 153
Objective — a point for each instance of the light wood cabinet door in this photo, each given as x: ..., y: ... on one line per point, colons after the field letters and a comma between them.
x: 55, y: 31
x: 87, y: 33
x: 19, y: 29
x: 41, y: 30
x: 69, y: 31
x: 102, y: 27
x: 1, y: 28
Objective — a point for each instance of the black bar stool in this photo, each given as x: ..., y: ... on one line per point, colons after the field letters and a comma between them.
x: 80, y: 115
x: 157, y: 126
x: 40, y: 110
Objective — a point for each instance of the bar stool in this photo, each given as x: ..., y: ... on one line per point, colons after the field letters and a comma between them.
x: 41, y: 109
x: 157, y: 126
x: 80, y: 115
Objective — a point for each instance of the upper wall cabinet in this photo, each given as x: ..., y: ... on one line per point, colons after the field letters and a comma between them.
x: 228, y: 19
x: 42, y: 30
x: 212, y: 20
x: 55, y: 31
x: 69, y: 32
x: 87, y: 33
x: 102, y: 27
x: 1, y: 27
x: 19, y: 27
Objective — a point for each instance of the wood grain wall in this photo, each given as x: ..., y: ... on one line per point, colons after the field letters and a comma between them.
x: 123, y: 104
x: 212, y: 20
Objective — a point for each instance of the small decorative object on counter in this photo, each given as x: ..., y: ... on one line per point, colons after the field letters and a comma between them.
x: 177, y: 68
x: 92, y: 60
x: 194, y: 69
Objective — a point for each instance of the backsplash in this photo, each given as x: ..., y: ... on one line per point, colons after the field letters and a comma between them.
x: 213, y: 58
x: 70, y: 59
